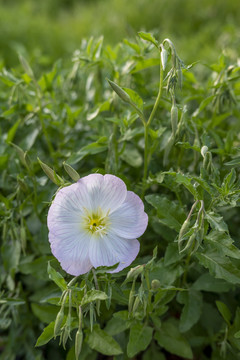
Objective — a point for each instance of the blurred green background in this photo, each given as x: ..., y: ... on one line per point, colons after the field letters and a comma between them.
x: 50, y: 29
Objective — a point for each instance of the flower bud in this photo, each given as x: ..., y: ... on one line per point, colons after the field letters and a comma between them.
x: 204, y: 149
x: 58, y: 322
x: 164, y: 57
x: 71, y: 172
x: 136, y: 304
x: 78, y: 343
x: 120, y: 92
x: 134, y: 272
x: 155, y: 284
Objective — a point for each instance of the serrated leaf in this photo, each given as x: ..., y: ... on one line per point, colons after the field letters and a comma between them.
x: 93, y: 295
x: 56, y: 277
x: 169, y: 212
x: 100, y: 341
x: 184, y: 180
x: 171, y: 339
x: 216, y: 221
x: 223, y: 243
x: 219, y: 266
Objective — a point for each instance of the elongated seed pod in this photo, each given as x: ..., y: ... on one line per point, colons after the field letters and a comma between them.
x: 78, y: 343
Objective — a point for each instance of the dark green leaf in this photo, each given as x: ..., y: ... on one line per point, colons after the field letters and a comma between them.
x: 139, y: 339
x: 171, y: 339
x: 100, y: 341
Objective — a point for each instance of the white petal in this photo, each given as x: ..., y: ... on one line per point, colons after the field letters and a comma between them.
x: 129, y: 220
x: 107, y: 192
x: 111, y: 249
x: 71, y: 249
x: 68, y: 205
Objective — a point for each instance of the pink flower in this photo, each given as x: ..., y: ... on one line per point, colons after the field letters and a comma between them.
x: 95, y: 222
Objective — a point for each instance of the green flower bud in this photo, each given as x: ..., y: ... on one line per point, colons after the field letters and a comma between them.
x: 120, y: 92
x: 58, y: 322
x: 155, y: 284
x: 78, y: 343
x: 134, y: 272
x: 71, y: 172
x: 136, y: 304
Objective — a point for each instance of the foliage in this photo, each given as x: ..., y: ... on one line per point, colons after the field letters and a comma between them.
x: 174, y: 140
x: 49, y: 29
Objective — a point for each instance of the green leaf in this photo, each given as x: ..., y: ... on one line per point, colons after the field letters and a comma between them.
x: 224, y: 311
x: 97, y: 147
x: 56, y: 277
x: 148, y: 37
x: 191, y: 312
x: 105, y: 106
x: 44, y: 312
x: 132, y: 156
x: 136, y: 99
x: 203, y: 104
x: 100, y: 341
x: 143, y: 64
x: 12, y: 131
x: 208, y: 283
x: 139, y: 338
x: 26, y: 66
x: 234, y: 162
x: 216, y: 221
x: 116, y: 325
x: 223, y: 243
x: 171, y: 339
x: 47, y: 335
x: 93, y: 295
x: 170, y: 213
x: 36, y: 268
x: 184, y: 180
x: 219, y: 266
x: 12, y: 301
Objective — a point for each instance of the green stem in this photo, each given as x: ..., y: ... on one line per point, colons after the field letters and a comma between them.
x: 158, y: 97
x: 146, y: 130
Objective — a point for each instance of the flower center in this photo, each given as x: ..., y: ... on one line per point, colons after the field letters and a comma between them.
x: 96, y: 223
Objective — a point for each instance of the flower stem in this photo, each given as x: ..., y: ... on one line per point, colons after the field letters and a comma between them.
x: 146, y: 130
